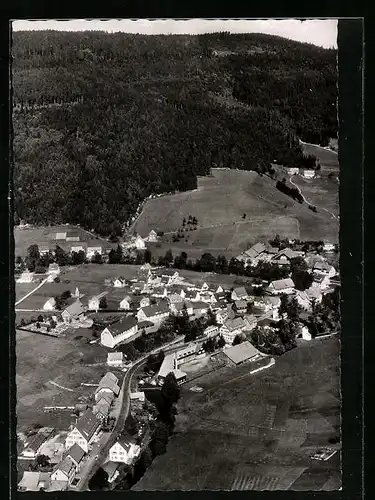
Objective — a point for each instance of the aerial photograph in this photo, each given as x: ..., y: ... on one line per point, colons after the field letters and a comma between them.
x: 176, y: 246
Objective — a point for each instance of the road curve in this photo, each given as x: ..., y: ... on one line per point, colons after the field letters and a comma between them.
x: 93, y: 465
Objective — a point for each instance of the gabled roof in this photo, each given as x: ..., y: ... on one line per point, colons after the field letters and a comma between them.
x: 286, y: 252
x: 200, y: 305
x: 76, y: 453
x: 155, y: 310
x: 322, y: 265
x: 66, y: 466
x: 241, y: 352
x: 281, y: 284
x: 115, y: 356
x: 240, y: 291
x: 108, y: 397
x: 234, y: 324
x: 240, y: 304
x: 101, y: 407
x: 75, y: 309
x: 125, y: 440
x: 168, y: 272
x: 88, y: 424
x: 37, y: 442
x: 109, y: 376
x: 121, y: 326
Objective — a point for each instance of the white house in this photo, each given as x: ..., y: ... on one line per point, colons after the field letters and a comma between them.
x: 293, y: 170
x: 328, y: 247
x: 304, y: 333
x: 156, y: 313
x: 26, y: 277
x: 125, y: 450
x: 53, y: 268
x: 77, y: 248
x: 175, y: 298
x: 205, y: 287
x: 308, y: 173
x: 91, y: 251
x: 231, y: 328
x: 33, y: 447
x: 152, y: 237
x: 119, y: 282
x: 212, y: 331
x: 144, y: 302
x: 278, y: 287
x: 93, y: 304
x: 115, y: 358
x: 76, y: 293
x: 49, y: 304
x: 239, y: 294
x: 84, y: 431
x: 72, y: 312
x: 126, y: 303
x: 322, y: 267
x: 221, y: 316
x: 139, y: 243
x: 219, y: 289
x: 116, y: 333
x: 64, y: 471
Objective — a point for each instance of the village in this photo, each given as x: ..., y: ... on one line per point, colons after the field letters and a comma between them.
x: 202, y: 327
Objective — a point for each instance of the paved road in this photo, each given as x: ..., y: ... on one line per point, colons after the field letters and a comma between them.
x: 101, y: 448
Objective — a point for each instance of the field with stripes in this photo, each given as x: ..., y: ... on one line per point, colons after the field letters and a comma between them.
x: 257, y: 432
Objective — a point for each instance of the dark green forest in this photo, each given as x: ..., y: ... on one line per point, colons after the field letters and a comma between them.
x: 101, y: 120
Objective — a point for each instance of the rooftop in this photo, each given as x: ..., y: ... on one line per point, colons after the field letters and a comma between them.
x: 281, y: 284
x: 241, y: 352
x: 240, y: 291
x: 76, y: 453
x: 66, y: 465
x: 233, y: 324
x: 121, y: 326
x: 75, y: 309
x: 36, y: 442
x: 88, y: 424
x: 155, y: 310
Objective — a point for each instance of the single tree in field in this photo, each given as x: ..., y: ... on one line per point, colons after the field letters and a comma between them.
x: 103, y: 303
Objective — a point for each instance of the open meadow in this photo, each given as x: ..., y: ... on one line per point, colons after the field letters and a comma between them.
x: 321, y: 192
x: 43, y: 362
x: 220, y: 203
x: 329, y: 160
x: 257, y: 432
x: 46, y: 236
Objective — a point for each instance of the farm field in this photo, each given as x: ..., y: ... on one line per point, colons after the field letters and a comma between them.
x: 322, y: 192
x: 219, y: 203
x: 46, y: 236
x: 89, y: 278
x: 41, y: 360
x: 256, y: 432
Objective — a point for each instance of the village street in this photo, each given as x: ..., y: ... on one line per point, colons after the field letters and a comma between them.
x: 101, y: 448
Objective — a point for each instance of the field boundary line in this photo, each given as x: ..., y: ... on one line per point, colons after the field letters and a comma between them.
x: 61, y: 386
x: 30, y: 293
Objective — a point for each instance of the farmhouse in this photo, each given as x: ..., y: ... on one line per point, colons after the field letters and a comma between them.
x: 169, y: 365
x: 53, y: 268
x: 64, y: 471
x: 119, y: 331
x: 242, y: 352
x: 293, y: 170
x: 72, y: 312
x: 322, y: 267
x: 240, y: 306
x: 156, y: 313
x: 285, y: 256
x: 94, y: 302
x: 76, y: 454
x: 152, y: 237
x: 107, y: 384
x: 32, y: 449
x: 125, y: 450
x: 171, y: 274
x: 212, y: 331
x: 119, y: 282
x: 101, y: 410
x: 126, y: 303
x: 91, y: 251
x: 231, y: 328
x: 50, y: 304
x: 239, y: 294
x: 308, y: 174
x: 115, y: 358
x: 278, y: 287
x: 205, y: 287
x: 25, y: 277
x: 84, y: 431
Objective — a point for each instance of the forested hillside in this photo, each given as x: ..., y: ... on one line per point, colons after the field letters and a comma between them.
x: 103, y: 120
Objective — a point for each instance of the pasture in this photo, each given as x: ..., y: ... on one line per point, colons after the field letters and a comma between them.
x: 219, y: 203
x: 41, y: 360
x: 254, y: 432
x: 321, y: 192
x: 46, y: 236
x: 329, y: 160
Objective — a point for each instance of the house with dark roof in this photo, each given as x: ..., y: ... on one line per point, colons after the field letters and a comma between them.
x: 156, y: 313
x: 242, y: 352
x: 231, y: 328
x: 76, y: 454
x: 84, y: 431
x: 72, y: 236
x: 118, y: 332
x: 101, y: 410
x: 72, y: 312
x: 240, y: 306
x: 200, y: 308
x: 33, y: 447
x: 125, y: 450
x: 107, y: 384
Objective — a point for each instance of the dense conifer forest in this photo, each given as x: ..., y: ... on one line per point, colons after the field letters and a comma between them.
x: 101, y: 121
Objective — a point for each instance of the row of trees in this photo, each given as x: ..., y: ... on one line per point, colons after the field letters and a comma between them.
x: 290, y: 191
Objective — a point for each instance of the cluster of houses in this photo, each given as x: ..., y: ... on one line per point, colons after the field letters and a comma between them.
x: 80, y: 439
x: 307, y: 173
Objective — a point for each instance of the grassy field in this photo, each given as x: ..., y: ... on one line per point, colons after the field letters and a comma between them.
x: 328, y: 160
x: 46, y: 236
x: 256, y: 432
x: 322, y: 192
x: 219, y: 203
x: 41, y: 360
